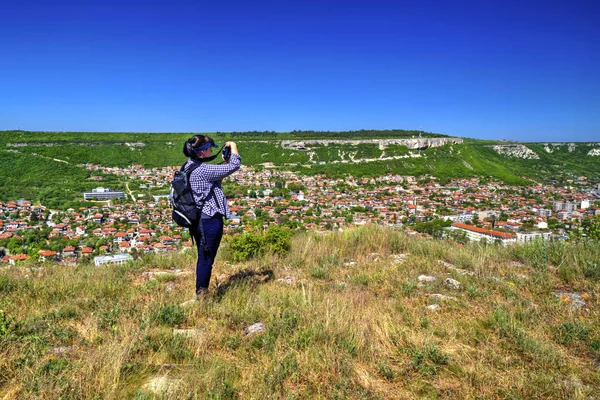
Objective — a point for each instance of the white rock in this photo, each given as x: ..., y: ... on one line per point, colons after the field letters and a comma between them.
x: 162, y: 385
x: 434, y: 307
x: 442, y: 296
x: 426, y: 278
x: 62, y: 350
x: 454, y: 284
x: 399, y: 258
x: 255, y: 328
x: 289, y: 280
x: 576, y: 300
x: 154, y: 274
x: 189, y: 333
x: 463, y: 272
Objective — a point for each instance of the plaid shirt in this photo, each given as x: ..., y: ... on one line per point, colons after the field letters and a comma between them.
x: 207, y: 175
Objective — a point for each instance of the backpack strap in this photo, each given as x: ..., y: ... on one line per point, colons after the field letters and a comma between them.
x: 188, y: 172
x: 201, y: 228
x: 191, y: 168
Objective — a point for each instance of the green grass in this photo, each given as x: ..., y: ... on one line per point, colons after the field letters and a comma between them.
x: 339, y: 330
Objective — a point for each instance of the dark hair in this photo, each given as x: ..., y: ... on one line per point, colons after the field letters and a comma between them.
x: 190, y: 145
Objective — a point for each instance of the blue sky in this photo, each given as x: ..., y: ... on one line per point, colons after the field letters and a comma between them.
x: 521, y: 70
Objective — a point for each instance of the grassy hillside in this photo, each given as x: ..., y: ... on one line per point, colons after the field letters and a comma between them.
x: 50, y: 164
x: 54, y: 183
x: 349, y: 320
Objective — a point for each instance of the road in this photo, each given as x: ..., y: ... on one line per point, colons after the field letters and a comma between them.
x: 129, y: 191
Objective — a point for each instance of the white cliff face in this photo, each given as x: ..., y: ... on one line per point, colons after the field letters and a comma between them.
x: 517, y: 151
x: 594, y: 152
x: 412, y: 144
x: 551, y: 147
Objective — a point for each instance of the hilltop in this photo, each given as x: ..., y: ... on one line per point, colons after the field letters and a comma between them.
x: 365, y: 313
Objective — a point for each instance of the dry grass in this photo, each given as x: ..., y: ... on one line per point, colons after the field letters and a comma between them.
x: 351, y: 323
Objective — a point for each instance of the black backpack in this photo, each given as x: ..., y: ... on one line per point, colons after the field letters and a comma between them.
x: 185, y: 212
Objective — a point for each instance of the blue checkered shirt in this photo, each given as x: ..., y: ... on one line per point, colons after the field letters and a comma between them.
x: 208, y: 175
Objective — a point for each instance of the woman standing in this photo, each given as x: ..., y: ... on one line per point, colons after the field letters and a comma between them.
x: 205, y: 181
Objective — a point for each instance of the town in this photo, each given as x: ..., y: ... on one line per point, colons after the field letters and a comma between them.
x: 124, y: 226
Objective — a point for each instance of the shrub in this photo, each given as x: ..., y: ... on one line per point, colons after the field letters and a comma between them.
x: 5, y: 324
x: 245, y: 247
x: 171, y: 315
x: 275, y: 239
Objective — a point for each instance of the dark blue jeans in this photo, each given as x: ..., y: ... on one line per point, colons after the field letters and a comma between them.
x: 213, y: 232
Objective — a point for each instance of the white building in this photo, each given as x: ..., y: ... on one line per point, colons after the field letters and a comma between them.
x: 101, y: 193
x: 543, y: 212
x: 523, y: 237
x: 112, y: 259
x: 570, y: 205
x: 458, y: 217
x: 477, y: 234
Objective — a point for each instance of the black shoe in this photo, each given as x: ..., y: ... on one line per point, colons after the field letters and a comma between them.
x: 201, y: 295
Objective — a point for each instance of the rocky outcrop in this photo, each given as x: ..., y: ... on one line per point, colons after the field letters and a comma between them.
x: 594, y: 152
x: 516, y: 150
x: 550, y: 147
x: 413, y: 144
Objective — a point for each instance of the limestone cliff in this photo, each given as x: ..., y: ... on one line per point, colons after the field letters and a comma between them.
x: 412, y: 144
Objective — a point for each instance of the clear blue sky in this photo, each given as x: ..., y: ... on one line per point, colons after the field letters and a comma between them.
x: 523, y: 70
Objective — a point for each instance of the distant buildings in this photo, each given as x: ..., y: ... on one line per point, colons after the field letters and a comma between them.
x: 570, y: 206
x: 596, y: 192
x: 160, y: 196
x: 101, y: 193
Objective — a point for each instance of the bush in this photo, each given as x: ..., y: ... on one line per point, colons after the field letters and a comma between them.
x: 275, y: 239
x: 245, y: 247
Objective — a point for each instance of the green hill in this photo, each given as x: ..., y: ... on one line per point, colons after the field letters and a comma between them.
x: 49, y: 166
x: 344, y: 315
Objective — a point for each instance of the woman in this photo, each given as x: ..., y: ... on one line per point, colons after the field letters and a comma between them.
x: 205, y: 182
